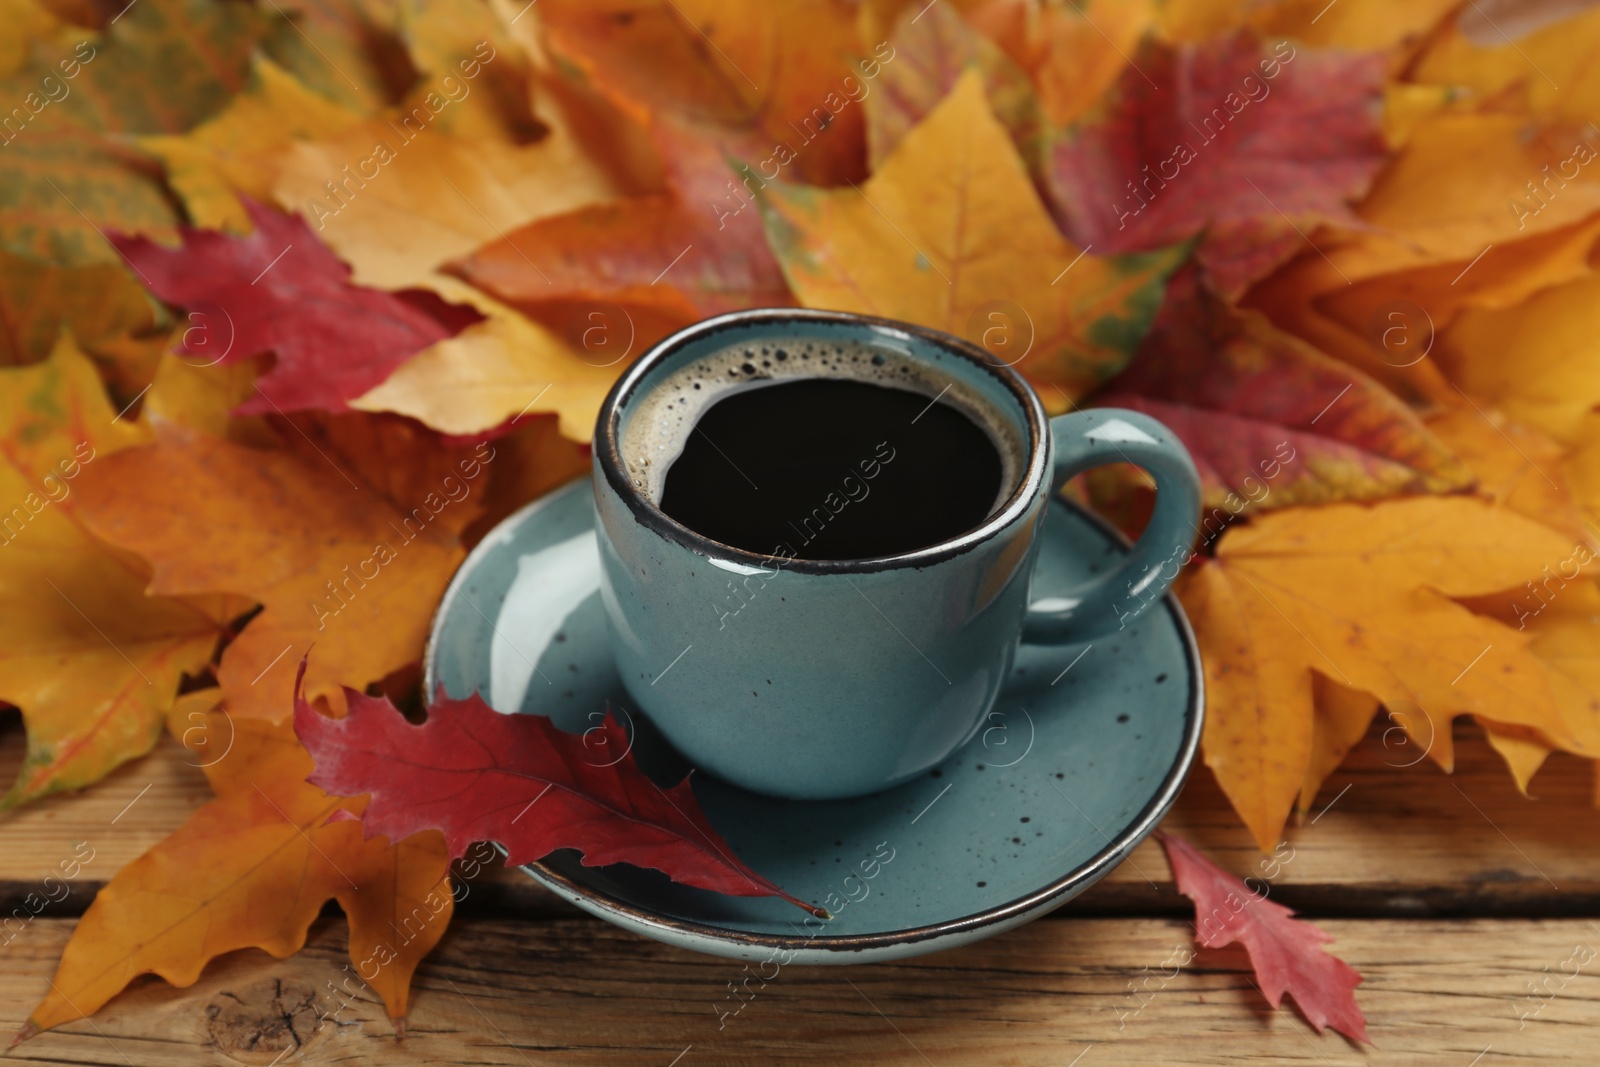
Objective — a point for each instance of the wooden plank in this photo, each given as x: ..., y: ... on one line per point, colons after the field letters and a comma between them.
x: 579, y: 992
x: 1385, y: 839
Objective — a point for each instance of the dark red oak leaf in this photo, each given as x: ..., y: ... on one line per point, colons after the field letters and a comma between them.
x: 1241, y: 140
x: 281, y: 289
x: 477, y: 775
x: 1286, y: 952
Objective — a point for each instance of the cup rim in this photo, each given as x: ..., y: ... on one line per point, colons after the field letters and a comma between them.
x: 607, y: 449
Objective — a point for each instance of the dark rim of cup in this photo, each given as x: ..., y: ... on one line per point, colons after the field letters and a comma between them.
x: 607, y: 447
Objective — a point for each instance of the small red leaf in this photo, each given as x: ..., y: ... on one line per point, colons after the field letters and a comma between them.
x: 1286, y: 952
x: 281, y: 289
x: 477, y: 775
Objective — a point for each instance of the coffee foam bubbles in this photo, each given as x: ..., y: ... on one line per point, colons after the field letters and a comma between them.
x: 658, y: 423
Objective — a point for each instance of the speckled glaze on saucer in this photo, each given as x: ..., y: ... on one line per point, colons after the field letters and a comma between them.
x: 1084, y: 753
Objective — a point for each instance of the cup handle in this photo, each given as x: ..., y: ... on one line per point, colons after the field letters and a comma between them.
x: 1086, y: 439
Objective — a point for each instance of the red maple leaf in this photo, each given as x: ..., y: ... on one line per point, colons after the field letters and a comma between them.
x: 1286, y: 952
x: 1265, y: 415
x: 1242, y: 141
x: 281, y: 289
x: 477, y: 775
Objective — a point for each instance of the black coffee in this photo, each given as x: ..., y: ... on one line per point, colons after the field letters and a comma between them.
x: 832, y: 468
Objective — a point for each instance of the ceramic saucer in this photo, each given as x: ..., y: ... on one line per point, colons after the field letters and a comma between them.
x: 1084, y: 753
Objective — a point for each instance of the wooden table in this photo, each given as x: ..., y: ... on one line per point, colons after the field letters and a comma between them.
x: 1454, y: 896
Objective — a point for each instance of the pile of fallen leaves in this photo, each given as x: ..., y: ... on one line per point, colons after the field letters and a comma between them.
x: 299, y: 297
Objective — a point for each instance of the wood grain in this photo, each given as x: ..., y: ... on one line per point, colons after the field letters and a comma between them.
x: 580, y: 992
x: 521, y: 980
x: 1385, y: 839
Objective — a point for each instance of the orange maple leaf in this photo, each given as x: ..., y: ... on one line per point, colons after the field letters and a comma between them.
x: 252, y: 869
x: 346, y: 534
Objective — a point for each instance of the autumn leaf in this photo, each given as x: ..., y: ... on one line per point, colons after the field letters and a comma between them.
x: 107, y: 312
x: 1561, y: 614
x: 1363, y: 596
x: 236, y: 153
x: 475, y: 774
x: 1524, y: 472
x: 530, y: 460
x: 348, y: 52
x: 933, y: 48
x: 1389, y: 325
x: 1340, y: 720
x: 1245, y: 145
x: 1548, y: 68
x: 468, y: 41
x: 1272, y: 422
x: 1073, y: 56
x: 1257, y: 737
x: 1365, y: 24
x: 252, y: 869
x: 1460, y: 185
x: 280, y: 289
x: 1554, y: 381
x: 949, y: 233
x: 184, y: 393
x: 1285, y: 952
x: 346, y: 533
x: 745, y: 78
x: 406, y: 199
x: 507, y: 367
x: 1515, y: 466
x: 1523, y: 750
x: 1581, y: 470
x: 695, y: 248
x: 62, y: 178
x: 687, y: 255
x: 89, y: 658
x: 27, y: 24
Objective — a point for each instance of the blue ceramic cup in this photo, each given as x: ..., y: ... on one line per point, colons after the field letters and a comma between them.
x: 819, y: 679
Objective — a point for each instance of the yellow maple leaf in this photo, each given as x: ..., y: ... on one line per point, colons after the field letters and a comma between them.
x: 1389, y: 325
x: 1340, y: 719
x: 1074, y: 56
x: 1459, y: 186
x: 346, y: 532
x: 1538, y: 361
x: 235, y: 151
x: 396, y: 199
x: 949, y: 233
x: 1581, y: 470
x: 1363, y: 595
x: 1378, y: 24
x: 1517, y: 467
x: 1549, y: 70
x: 92, y: 661
x: 508, y: 366
x: 1523, y: 750
x: 253, y: 868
